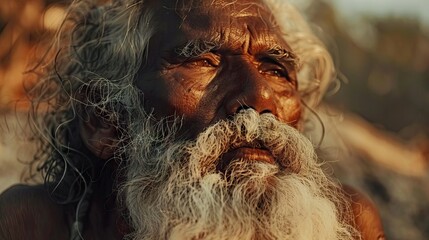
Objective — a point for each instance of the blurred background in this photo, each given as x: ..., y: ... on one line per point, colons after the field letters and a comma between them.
x: 376, y: 115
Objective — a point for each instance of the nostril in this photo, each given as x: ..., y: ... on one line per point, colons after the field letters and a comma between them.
x: 243, y: 107
x: 246, y: 107
x: 265, y: 111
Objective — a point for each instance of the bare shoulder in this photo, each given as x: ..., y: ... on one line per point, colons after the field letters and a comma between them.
x: 27, y: 212
x: 366, y: 217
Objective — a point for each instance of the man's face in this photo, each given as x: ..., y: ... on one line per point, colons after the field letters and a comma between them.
x: 209, y: 61
x: 231, y: 173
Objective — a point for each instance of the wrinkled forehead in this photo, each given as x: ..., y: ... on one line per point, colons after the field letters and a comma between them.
x: 204, y: 14
x: 217, y: 21
x: 237, y: 8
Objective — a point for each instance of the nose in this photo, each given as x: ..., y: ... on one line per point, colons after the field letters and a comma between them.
x: 253, y: 91
x: 253, y: 96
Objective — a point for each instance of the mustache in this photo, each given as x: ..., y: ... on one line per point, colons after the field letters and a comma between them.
x: 249, y: 129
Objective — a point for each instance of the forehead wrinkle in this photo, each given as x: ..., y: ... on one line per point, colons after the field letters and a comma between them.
x: 234, y: 8
x: 252, y: 25
x: 256, y: 40
x: 246, y: 10
x: 269, y: 24
x: 248, y: 38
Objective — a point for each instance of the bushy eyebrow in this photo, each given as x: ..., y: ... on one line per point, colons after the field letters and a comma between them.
x: 283, y: 55
x: 195, y: 48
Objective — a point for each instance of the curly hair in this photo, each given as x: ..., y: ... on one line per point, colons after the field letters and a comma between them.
x: 96, y: 55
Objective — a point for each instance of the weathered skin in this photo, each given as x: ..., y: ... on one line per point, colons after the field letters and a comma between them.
x: 215, y: 85
x: 245, y: 70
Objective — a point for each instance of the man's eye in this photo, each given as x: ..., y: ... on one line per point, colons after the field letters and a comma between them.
x: 199, y: 63
x: 275, y: 73
x: 273, y: 68
x: 208, y: 62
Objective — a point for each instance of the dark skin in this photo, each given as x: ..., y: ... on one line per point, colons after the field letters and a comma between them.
x: 250, y: 66
x: 246, y: 68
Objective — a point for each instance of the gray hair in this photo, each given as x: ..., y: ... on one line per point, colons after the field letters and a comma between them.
x: 96, y: 56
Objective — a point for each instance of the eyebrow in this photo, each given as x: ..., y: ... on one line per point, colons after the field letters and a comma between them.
x: 198, y: 47
x: 195, y: 48
x: 283, y: 55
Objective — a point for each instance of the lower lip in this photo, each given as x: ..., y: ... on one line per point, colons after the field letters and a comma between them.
x: 250, y: 154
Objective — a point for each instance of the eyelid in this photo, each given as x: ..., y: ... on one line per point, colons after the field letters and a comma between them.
x: 275, y: 68
x: 212, y: 58
x: 174, y: 59
x: 269, y: 64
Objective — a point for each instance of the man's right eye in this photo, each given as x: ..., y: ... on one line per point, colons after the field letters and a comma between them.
x: 199, y: 63
x: 207, y: 60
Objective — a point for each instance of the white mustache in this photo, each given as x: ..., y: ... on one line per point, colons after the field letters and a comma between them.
x: 249, y: 129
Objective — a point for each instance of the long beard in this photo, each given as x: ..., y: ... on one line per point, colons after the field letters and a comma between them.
x: 175, y: 189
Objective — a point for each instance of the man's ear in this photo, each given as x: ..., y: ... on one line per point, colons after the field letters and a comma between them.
x: 99, y: 136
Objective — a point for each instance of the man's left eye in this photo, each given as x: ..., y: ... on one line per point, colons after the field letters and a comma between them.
x: 274, y: 70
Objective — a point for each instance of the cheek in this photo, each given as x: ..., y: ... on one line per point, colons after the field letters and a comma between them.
x: 154, y: 94
x: 168, y: 94
x: 184, y: 95
x: 290, y: 109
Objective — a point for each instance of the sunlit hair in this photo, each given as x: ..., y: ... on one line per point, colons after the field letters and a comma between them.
x: 96, y: 56
x: 95, y: 59
x: 91, y: 68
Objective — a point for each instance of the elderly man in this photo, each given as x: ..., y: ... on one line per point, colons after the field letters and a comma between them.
x: 181, y: 119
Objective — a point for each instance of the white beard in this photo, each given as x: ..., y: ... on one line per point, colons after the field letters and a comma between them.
x: 175, y: 190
